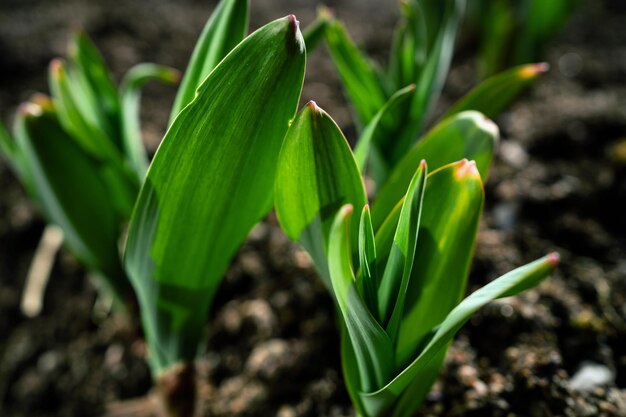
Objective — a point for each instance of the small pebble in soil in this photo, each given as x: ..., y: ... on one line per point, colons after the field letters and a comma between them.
x: 591, y: 375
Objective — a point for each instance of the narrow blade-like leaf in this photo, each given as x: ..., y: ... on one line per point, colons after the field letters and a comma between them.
x: 381, y: 403
x: 209, y: 183
x: 226, y: 27
x: 317, y: 174
x: 367, y: 281
x: 494, y: 94
x: 467, y: 135
x: 453, y: 202
x: 314, y: 33
x: 358, y: 75
x: 372, y: 347
x: 136, y: 77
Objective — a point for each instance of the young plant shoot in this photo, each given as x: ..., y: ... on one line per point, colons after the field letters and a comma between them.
x: 393, y: 105
x: 398, y: 273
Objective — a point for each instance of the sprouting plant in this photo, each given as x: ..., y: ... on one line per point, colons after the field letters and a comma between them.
x: 516, y: 32
x: 210, y: 181
x: 393, y: 105
x: 80, y: 156
x: 401, y: 305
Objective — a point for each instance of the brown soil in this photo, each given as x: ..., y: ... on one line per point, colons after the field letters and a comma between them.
x: 559, y: 183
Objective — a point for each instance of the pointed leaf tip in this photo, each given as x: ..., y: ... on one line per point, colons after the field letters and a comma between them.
x: 532, y: 70
x: 314, y: 107
x: 346, y: 210
x: 56, y: 66
x: 465, y: 169
x: 423, y: 164
x: 554, y: 259
x: 295, y: 24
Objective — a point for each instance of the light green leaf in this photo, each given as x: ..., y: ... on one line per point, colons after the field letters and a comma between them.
x: 314, y: 33
x: 494, y: 94
x: 409, y: 46
x: 452, y: 206
x: 317, y: 174
x: 382, y: 130
x: 134, y: 80
x: 209, y: 183
x: 372, y: 348
x: 431, y: 79
x: 367, y: 281
x: 466, y: 135
x: 358, y: 75
x: 381, y: 402
x: 226, y: 27
x: 395, y: 281
x: 72, y: 194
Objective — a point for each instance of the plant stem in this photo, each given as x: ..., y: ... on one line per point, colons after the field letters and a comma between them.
x: 176, y: 388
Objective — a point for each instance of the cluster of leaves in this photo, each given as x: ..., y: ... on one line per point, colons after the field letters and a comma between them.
x: 233, y: 148
x: 515, y: 32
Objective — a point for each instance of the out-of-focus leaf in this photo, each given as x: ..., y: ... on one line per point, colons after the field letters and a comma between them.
x: 224, y: 30
x: 91, y: 67
x: 409, y: 45
x: 358, y: 75
x: 453, y: 202
x: 494, y: 94
x: 432, y: 77
x: 134, y: 80
x: 466, y: 135
x: 384, y: 402
x: 209, y: 183
x: 395, y: 281
x: 314, y: 33
x: 372, y: 348
x: 68, y: 186
x: 317, y: 174
x: 382, y: 130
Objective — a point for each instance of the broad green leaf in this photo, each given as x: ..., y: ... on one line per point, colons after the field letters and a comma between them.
x: 358, y: 75
x: 466, y: 135
x: 209, y: 183
x: 432, y: 77
x: 226, y: 27
x: 72, y: 194
x: 381, y: 403
x: 382, y: 129
x: 91, y: 67
x: 372, y: 348
x: 314, y: 33
x: 367, y: 281
x: 394, y: 284
x: 494, y: 94
x: 134, y: 80
x: 452, y: 206
x: 317, y: 174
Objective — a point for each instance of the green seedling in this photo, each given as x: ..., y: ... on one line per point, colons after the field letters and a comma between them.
x: 516, y: 32
x: 81, y: 158
x: 393, y: 105
x: 401, y: 303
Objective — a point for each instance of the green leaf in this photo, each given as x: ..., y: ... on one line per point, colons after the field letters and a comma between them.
x: 91, y: 67
x: 367, y: 281
x: 314, y: 33
x: 372, y: 348
x: 395, y: 281
x: 381, y: 402
x: 226, y: 27
x: 134, y: 80
x: 494, y: 94
x: 452, y: 206
x: 432, y: 78
x: 68, y: 185
x: 209, y: 183
x: 317, y: 174
x: 466, y: 135
x: 358, y: 75
x: 382, y: 130
x: 409, y: 45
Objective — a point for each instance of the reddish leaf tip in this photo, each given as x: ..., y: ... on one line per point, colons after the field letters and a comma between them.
x: 466, y: 169
x: 314, y: 107
x: 532, y: 70
x: 56, y: 66
x: 553, y: 259
x: 293, y: 22
x: 29, y: 109
x: 423, y: 164
x: 347, y: 210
